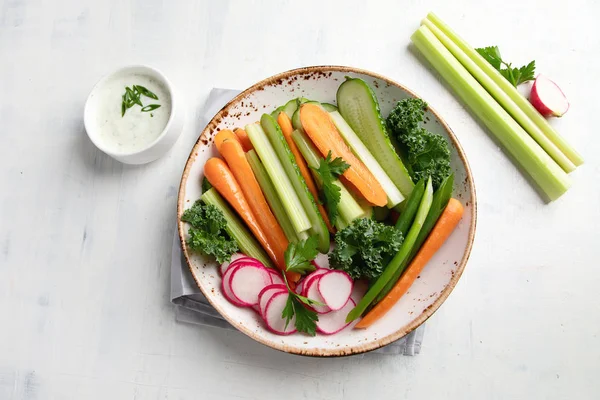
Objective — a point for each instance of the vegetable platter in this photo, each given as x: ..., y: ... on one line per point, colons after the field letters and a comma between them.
x: 326, y: 211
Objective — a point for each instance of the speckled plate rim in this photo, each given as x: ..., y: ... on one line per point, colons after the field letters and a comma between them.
x: 359, y: 348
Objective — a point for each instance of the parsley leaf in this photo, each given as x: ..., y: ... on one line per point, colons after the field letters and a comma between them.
x: 298, y: 256
x: 491, y: 55
x: 515, y: 76
x: 328, y: 171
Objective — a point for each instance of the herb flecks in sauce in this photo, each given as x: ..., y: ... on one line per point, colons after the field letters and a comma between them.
x: 132, y: 97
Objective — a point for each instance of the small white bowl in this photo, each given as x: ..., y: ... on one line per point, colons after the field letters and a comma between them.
x: 154, y: 149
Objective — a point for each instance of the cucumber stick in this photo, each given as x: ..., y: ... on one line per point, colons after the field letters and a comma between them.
x: 359, y: 107
x: 393, y: 194
x: 271, y: 195
x: 246, y: 242
x: 279, y: 178
x: 329, y: 107
x: 288, y: 162
x: 399, y: 259
x: 349, y: 209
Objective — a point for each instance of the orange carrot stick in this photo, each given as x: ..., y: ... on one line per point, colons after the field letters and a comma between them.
x: 220, y: 176
x: 244, y: 139
x: 286, y: 127
x: 320, y: 128
x: 222, y: 136
x: 440, y: 232
x: 233, y: 153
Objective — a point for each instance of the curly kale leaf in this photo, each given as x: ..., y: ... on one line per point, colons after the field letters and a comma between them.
x: 207, y: 233
x: 427, y: 154
x: 363, y: 248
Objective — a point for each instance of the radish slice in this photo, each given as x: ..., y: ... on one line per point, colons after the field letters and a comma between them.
x: 246, y: 282
x: 272, y: 315
x: 312, y: 292
x: 226, y: 264
x: 310, y: 277
x: 256, y: 309
x: 225, y: 286
x: 335, y: 287
x: 276, y: 276
x: 299, y: 287
x: 335, y: 321
x: 265, y: 295
x: 547, y: 98
x: 235, y: 259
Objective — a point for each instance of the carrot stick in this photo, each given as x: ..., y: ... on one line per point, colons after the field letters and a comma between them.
x: 220, y: 176
x: 320, y: 128
x: 440, y: 232
x: 222, y: 136
x: 244, y: 139
x: 233, y: 153
x: 286, y: 127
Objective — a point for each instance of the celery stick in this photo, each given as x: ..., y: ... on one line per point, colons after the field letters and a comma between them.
x: 348, y: 207
x: 511, y: 91
x: 391, y: 270
x: 271, y: 195
x: 548, y: 175
x: 288, y: 161
x: 246, y: 242
x: 279, y: 178
x: 393, y: 194
x: 504, y: 98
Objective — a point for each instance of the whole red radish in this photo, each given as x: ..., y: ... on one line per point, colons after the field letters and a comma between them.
x: 547, y: 98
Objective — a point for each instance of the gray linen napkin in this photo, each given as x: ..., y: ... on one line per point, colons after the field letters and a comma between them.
x: 191, y: 305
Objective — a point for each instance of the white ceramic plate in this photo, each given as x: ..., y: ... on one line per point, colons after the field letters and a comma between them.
x: 427, y: 293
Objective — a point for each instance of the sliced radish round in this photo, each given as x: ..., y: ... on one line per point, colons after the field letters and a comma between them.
x: 265, y: 295
x: 335, y: 287
x: 309, y: 278
x: 272, y: 315
x: 276, y: 276
x: 312, y: 292
x: 226, y: 287
x: 547, y: 97
x: 299, y: 287
x: 237, y: 258
x: 246, y: 282
x: 335, y: 321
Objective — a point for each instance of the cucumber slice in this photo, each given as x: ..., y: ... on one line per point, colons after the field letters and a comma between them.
x: 329, y: 107
x: 276, y: 111
x: 290, y: 108
x: 296, y: 117
x: 359, y: 107
x: 290, y: 167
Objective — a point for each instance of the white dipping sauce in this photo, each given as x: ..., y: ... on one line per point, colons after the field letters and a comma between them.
x: 135, y: 130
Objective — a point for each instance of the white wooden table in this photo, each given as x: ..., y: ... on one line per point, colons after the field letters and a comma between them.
x: 85, y: 241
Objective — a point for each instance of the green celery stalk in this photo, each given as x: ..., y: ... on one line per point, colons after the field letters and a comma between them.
x: 279, y: 178
x: 246, y: 242
x: 503, y: 97
x: 271, y: 195
x: 349, y: 209
x: 399, y: 259
x: 521, y: 102
x: 440, y: 200
x: 548, y: 175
